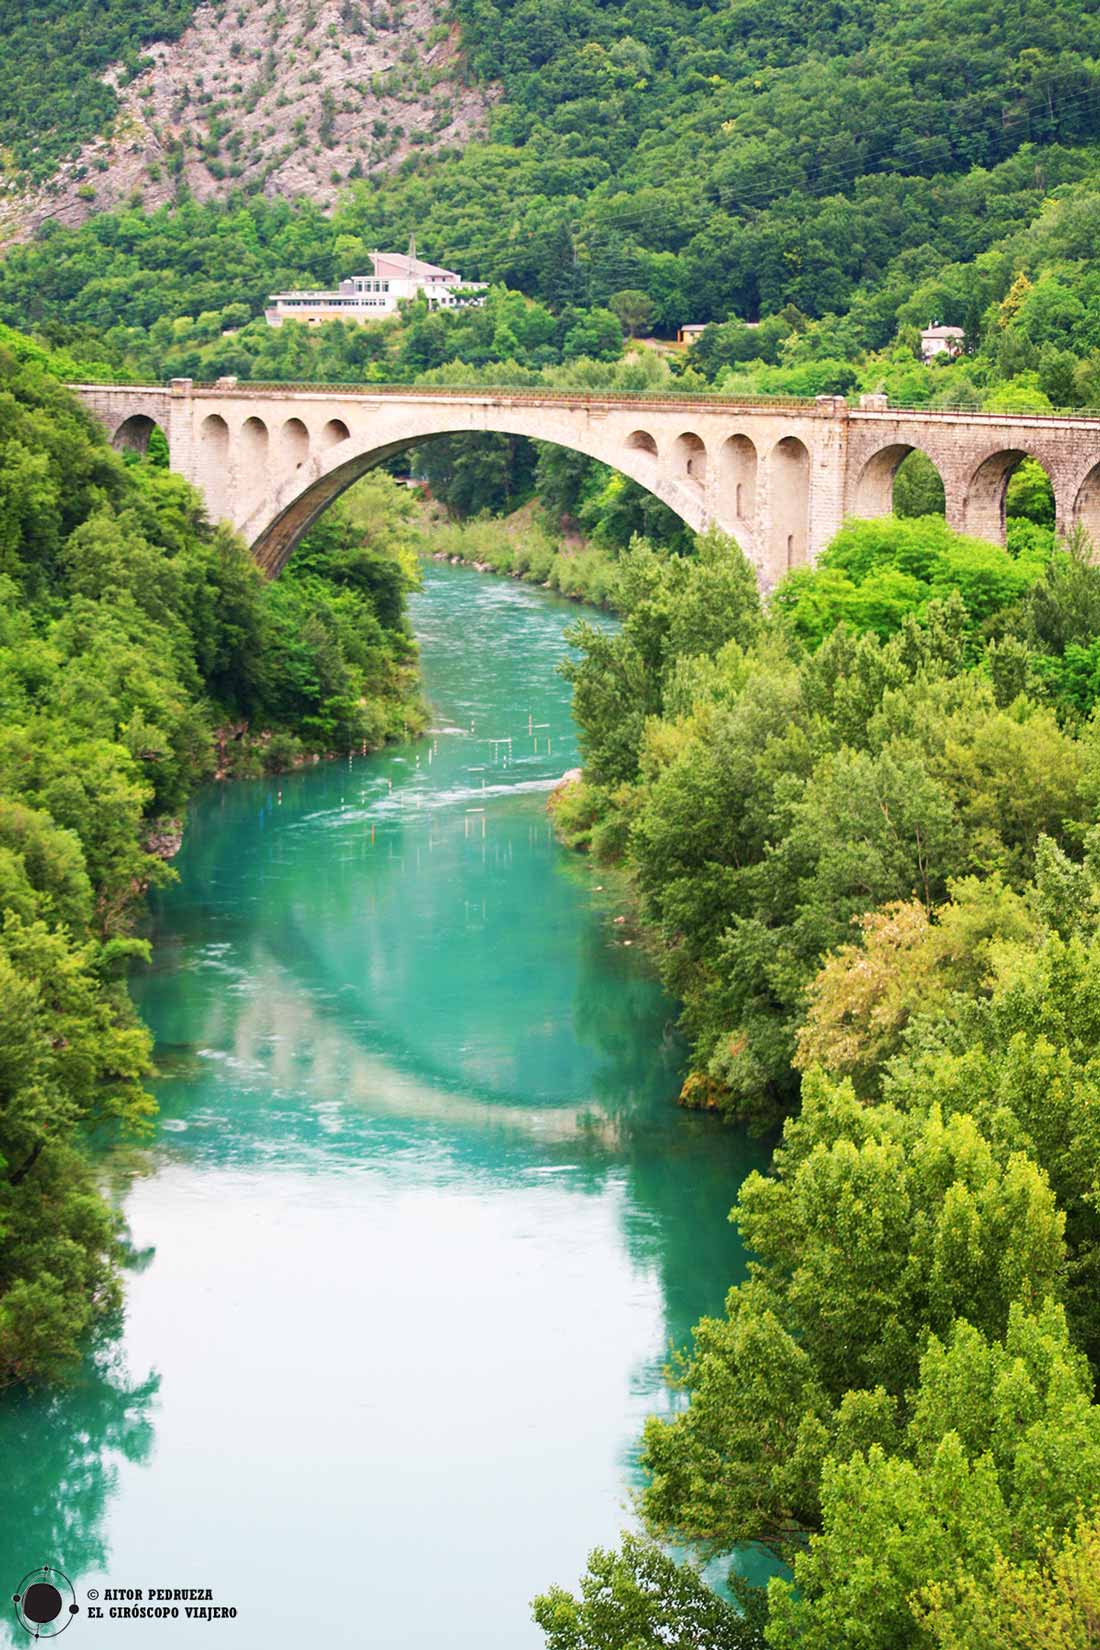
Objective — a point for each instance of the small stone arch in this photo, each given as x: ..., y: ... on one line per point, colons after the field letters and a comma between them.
x: 737, y: 466
x: 691, y: 458
x: 294, y: 442
x: 214, y: 435
x: 640, y: 441
x: 254, y: 441
x: 986, y: 490
x: 214, y: 464
x: 252, y: 458
x: 334, y: 432
x: 874, y: 490
x: 789, y: 506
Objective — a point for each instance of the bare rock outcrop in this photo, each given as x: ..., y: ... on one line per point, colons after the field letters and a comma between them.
x: 296, y: 96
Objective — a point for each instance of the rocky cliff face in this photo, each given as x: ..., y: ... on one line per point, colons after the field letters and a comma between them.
x: 295, y: 96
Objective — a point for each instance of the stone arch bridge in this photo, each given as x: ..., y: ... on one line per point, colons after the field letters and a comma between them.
x: 779, y: 476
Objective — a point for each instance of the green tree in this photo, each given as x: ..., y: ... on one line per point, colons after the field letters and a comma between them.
x: 638, y: 1597
x: 876, y: 1228
x: 1053, y: 1601
x: 635, y: 310
x: 1003, y: 1451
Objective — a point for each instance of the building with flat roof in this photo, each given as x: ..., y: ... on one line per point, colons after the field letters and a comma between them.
x: 394, y: 276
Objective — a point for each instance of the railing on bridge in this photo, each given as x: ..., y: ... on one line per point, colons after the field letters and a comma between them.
x: 668, y: 399
x: 514, y: 392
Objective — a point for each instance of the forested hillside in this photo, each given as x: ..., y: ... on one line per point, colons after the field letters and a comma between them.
x: 290, y: 97
x: 720, y: 159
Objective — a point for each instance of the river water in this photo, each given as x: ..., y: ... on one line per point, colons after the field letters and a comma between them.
x: 421, y: 1217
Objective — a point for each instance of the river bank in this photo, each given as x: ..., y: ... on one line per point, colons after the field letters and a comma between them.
x: 520, y: 546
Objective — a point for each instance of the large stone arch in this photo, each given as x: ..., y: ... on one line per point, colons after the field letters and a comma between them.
x: 300, y: 498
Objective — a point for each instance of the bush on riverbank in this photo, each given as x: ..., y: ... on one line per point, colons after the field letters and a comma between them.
x: 129, y: 629
x: 522, y: 547
x: 638, y: 1596
x: 867, y: 844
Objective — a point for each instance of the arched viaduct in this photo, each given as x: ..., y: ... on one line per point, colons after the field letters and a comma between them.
x: 778, y: 476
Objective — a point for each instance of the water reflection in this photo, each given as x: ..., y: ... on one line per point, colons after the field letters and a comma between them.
x: 62, y: 1453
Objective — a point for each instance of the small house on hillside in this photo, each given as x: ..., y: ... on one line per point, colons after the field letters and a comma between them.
x: 689, y: 334
x: 940, y: 340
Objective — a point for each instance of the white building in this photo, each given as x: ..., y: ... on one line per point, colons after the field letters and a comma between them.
x: 394, y: 276
x: 939, y: 340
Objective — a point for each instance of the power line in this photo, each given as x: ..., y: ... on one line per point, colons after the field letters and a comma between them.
x: 837, y: 174
x: 833, y: 176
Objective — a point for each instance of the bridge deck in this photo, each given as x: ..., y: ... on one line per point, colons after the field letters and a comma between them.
x: 532, y: 395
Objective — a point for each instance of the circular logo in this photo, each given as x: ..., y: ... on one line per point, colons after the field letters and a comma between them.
x: 45, y: 1602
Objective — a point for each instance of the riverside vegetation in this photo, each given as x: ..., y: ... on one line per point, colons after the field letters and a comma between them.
x: 130, y: 632
x: 863, y: 830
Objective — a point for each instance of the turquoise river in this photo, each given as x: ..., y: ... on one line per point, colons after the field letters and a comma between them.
x: 421, y: 1217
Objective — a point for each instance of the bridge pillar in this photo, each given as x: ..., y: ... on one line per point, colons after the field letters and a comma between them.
x: 1063, y: 514
x: 954, y: 466
x: 829, y: 475
x: 712, y: 504
x: 180, y: 430
x: 954, y: 498
x: 1065, y: 487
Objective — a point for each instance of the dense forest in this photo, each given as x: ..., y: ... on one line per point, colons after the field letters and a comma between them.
x: 863, y: 831
x: 721, y: 159
x: 138, y: 646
